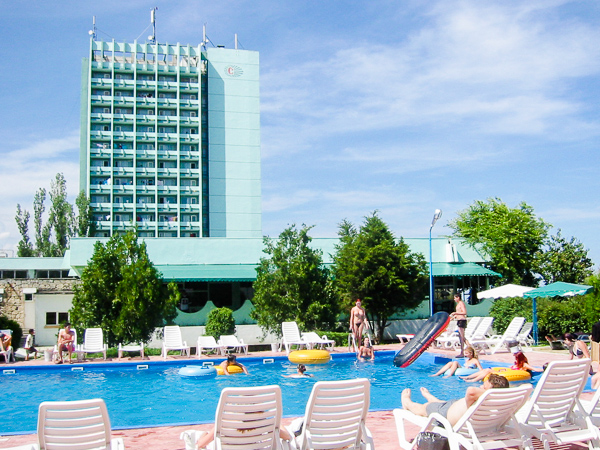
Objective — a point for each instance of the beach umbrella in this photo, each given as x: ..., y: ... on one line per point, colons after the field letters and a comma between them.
x: 508, y: 290
x: 558, y: 289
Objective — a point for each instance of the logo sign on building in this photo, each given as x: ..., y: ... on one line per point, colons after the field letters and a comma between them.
x: 234, y: 71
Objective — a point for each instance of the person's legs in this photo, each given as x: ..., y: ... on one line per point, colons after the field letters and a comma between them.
x: 429, y: 396
x: 461, y: 338
x: 446, y: 366
x: 409, y: 405
x: 360, y: 332
x: 477, y: 376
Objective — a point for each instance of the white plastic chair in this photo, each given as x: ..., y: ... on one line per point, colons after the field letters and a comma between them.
x: 172, y: 341
x: 496, y: 342
x: 291, y: 336
x: 473, y: 325
x: 488, y: 424
x: 208, y: 344
x: 82, y: 424
x: 311, y: 338
x: 335, y: 416
x: 131, y: 348
x: 93, y: 342
x: 249, y: 418
x: 230, y: 342
x: 523, y: 338
x: 554, y: 413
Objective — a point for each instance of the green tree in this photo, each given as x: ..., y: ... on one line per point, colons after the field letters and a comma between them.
x: 122, y: 292
x: 292, y: 284
x: 563, y: 260
x: 510, y: 236
x: 220, y: 322
x: 371, y: 264
x: 24, y: 248
x: 52, y: 238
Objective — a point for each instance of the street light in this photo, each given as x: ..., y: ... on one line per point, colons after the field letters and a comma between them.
x: 436, y: 216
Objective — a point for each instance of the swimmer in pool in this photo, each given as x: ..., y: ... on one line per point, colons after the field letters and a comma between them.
x: 300, y: 372
x: 471, y: 362
x: 452, y: 410
x: 231, y: 361
x: 366, y: 350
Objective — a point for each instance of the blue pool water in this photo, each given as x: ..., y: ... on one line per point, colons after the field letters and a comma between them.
x: 158, y: 396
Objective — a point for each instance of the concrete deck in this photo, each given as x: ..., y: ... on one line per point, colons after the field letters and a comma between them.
x: 381, y: 423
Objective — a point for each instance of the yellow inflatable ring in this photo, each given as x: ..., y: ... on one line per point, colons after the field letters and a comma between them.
x: 511, y: 374
x: 309, y: 357
x: 230, y: 369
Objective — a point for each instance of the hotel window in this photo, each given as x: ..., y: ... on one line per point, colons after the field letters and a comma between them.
x: 56, y: 318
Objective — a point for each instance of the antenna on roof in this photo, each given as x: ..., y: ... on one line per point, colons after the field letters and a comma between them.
x: 92, y: 32
x: 152, y: 38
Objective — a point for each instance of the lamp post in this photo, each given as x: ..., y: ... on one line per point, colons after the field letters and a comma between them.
x: 436, y: 216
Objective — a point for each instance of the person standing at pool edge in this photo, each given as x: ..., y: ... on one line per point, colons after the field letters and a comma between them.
x: 460, y: 315
x: 358, y: 317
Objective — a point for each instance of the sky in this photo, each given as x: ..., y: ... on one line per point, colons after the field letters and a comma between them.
x: 400, y: 107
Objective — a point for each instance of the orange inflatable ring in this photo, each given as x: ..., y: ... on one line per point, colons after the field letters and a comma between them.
x: 309, y: 357
x: 511, y: 374
x: 231, y: 369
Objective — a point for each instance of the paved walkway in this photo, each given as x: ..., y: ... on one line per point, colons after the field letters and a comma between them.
x: 381, y: 423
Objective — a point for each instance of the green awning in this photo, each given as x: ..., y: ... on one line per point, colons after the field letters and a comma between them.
x: 462, y: 270
x: 206, y: 272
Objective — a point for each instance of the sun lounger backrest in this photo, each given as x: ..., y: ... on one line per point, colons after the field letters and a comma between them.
x: 493, y: 410
x: 556, y: 392
x: 172, y: 337
x: 93, y: 338
x: 290, y: 331
x: 483, y: 328
x: 248, y: 418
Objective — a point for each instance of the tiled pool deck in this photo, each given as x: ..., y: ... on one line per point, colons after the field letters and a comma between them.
x: 381, y: 423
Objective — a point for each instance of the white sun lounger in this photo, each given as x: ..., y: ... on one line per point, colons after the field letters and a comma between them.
x: 172, y: 341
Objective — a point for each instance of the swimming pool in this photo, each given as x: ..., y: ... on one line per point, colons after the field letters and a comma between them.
x: 153, y: 394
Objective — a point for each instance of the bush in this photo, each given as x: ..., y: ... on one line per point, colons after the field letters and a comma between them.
x: 220, y: 322
x: 504, y: 309
x: 340, y: 338
x: 17, y: 332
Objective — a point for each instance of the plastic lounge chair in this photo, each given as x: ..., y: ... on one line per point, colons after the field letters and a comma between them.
x: 311, y: 338
x: 291, y: 336
x: 494, y: 343
x: 230, y: 342
x: 131, y: 348
x: 172, y: 341
x: 449, y: 332
x: 335, y: 416
x: 489, y: 423
x: 208, y: 344
x: 524, y: 337
x: 592, y: 407
x: 554, y: 413
x: 93, y: 342
x: 453, y: 339
x: 82, y: 424
x: 482, y: 331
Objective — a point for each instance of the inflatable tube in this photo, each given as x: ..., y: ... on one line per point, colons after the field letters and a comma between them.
x: 463, y: 371
x: 511, y: 374
x: 309, y: 357
x: 198, y: 371
x: 230, y: 369
x: 423, y: 339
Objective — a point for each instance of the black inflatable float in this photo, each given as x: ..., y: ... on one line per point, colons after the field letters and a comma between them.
x: 417, y: 345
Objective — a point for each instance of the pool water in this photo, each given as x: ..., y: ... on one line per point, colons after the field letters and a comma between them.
x: 159, y: 396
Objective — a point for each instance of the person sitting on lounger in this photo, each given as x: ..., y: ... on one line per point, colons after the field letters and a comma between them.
x: 231, y: 361
x: 471, y: 362
x: 521, y: 363
x: 66, y: 342
x: 366, y: 350
x: 452, y: 410
x: 5, y: 341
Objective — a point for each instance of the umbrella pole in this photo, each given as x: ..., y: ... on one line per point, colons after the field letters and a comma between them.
x: 535, y: 323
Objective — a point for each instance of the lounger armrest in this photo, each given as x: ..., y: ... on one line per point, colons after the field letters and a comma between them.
x: 367, y: 439
x: 117, y: 444
x: 425, y: 423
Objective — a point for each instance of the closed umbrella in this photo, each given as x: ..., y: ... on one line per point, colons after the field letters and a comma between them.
x: 558, y: 289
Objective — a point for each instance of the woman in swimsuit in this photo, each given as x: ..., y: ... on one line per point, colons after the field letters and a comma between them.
x: 366, y: 350
x: 358, y: 319
x: 521, y: 363
x: 471, y: 362
x: 576, y: 347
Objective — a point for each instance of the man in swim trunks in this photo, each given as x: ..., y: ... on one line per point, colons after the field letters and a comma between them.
x: 452, y: 410
x: 358, y: 317
x: 231, y: 361
x: 460, y: 315
x: 66, y: 342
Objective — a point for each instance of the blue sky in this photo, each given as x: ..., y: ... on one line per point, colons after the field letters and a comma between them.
x: 400, y: 107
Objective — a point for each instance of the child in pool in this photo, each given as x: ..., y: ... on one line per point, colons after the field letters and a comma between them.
x: 521, y: 363
x: 471, y: 362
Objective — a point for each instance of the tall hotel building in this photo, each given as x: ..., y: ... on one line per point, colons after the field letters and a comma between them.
x: 170, y: 140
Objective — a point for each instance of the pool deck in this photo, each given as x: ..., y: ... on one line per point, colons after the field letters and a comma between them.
x: 381, y: 423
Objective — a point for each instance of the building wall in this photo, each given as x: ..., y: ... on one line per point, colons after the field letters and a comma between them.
x: 52, y: 295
